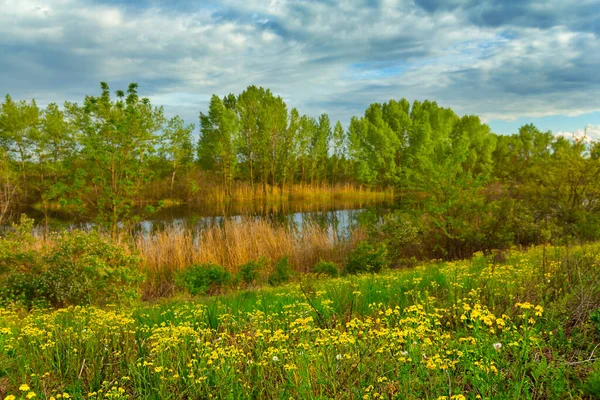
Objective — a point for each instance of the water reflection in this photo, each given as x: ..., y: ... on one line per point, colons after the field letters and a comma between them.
x: 339, y: 217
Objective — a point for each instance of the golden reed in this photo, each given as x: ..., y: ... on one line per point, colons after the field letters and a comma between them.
x: 234, y: 243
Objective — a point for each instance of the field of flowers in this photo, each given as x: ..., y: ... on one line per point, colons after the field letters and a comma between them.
x: 517, y: 325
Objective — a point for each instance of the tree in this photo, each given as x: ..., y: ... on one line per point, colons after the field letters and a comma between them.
x: 19, y: 124
x: 54, y: 149
x: 8, y: 187
x: 319, y: 147
x: 248, y: 108
x: 116, y: 137
x: 217, y: 146
x: 339, y: 151
x: 176, y: 146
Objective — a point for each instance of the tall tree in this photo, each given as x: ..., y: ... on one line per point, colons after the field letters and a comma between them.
x: 217, y: 145
x: 176, y: 146
x: 19, y: 125
x: 116, y: 136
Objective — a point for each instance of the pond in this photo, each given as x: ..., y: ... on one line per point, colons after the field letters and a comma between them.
x: 338, y: 217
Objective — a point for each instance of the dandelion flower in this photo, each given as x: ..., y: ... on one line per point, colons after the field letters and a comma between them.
x: 497, y: 346
x: 24, y: 388
x: 275, y: 358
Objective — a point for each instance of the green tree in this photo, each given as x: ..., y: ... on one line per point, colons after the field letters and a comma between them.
x: 218, y: 139
x: 19, y: 125
x: 116, y: 138
x: 176, y: 146
x: 339, y: 152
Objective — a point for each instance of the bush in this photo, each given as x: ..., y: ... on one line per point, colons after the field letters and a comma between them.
x: 203, y: 278
x: 76, y: 268
x: 400, y: 237
x: 250, y: 272
x: 367, y: 258
x: 282, y: 272
x: 325, y: 268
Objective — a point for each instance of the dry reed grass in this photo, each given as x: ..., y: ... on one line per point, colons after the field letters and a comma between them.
x: 202, y: 190
x: 235, y: 243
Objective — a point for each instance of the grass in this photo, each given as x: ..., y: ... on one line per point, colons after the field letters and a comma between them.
x: 481, y: 328
x: 234, y: 243
x: 212, y: 194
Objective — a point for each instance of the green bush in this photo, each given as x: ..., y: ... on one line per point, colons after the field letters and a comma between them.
x: 250, y: 272
x: 282, y: 272
x: 367, y: 258
x: 78, y: 268
x: 400, y: 236
x: 203, y: 278
x: 325, y: 268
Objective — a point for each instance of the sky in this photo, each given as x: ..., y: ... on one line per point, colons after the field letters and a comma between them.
x: 509, y: 61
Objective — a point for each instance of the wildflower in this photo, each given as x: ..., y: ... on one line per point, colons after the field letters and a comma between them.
x: 31, y: 395
x: 10, y: 397
x: 275, y: 358
x: 539, y: 310
x: 24, y: 388
x: 497, y: 346
x: 338, y: 357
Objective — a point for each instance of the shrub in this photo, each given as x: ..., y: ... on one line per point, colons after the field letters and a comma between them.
x: 367, y: 258
x: 282, y: 272
x: 250, y: 272
x: 77, y: 268
x: 325, y: 268
x: 400, y: 237
x: 203, y: 278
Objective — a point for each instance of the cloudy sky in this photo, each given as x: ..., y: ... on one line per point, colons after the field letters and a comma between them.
x: 509, y: 61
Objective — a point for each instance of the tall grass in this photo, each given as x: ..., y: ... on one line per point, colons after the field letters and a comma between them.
x: 200, y: 188
x: 233, y: 243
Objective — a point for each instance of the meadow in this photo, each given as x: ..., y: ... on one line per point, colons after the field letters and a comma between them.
x: 519, y: 324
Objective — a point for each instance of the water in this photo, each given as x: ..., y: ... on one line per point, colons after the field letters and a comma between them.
x: 338, y: 217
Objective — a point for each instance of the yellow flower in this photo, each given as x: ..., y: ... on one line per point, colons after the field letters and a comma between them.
x: 10, y: 397
x: 539, y: 310
x: 24, y: 388
x: 31, y: 395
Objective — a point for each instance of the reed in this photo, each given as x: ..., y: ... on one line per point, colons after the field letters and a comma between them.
x: 242, y: 192
x: 233, y: 243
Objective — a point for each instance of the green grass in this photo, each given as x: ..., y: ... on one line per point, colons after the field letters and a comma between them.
x: 519, y: 329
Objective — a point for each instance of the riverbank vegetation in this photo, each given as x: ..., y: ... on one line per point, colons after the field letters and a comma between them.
x: 115, y: 161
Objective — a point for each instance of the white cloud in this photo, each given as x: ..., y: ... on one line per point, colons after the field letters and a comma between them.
x: 591, y: 133
x: 319, y: 56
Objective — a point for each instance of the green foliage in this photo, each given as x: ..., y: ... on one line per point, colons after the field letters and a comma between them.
x: 250, y: 272
x: 595, y: 319
x: 116, y: 137
x: 367, y: 258
x: 465, y: 188
x: 282, y: 272
x: 203, y: 278
x: 591, y: 385
x: 325, y: 268
x: 399, y: 235
x: 77, y: 269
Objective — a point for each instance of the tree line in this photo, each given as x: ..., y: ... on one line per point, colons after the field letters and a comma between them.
x: 468, y: 187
